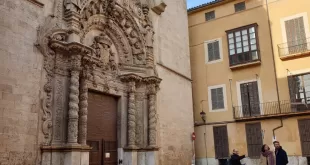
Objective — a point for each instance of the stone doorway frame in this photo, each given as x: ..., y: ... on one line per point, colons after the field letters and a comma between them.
x: 72, y: 68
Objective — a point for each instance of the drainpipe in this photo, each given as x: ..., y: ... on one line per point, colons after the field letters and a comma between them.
x: 205, y: 136
x: 273, y: 58
x: 273, y: 131
x: 232, y: 103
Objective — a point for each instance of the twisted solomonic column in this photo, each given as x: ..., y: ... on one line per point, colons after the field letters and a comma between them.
x: 74, y: 100
x: 152, y: 86
x: 131, y: 80
x: 83, y: 112
x: 132, y: 114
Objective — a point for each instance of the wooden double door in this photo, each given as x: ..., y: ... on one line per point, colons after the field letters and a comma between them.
x: 102, y: 129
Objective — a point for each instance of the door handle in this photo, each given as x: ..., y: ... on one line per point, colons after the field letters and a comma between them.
x: 120, y: 161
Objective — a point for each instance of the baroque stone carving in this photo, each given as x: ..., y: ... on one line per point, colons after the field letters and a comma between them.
x: 125, y: 42
x: 131, y: 79
x: 47, y: 113
x: 74, y: 100
x: 72, y: 5
x: 102, y: 46
x: 152, y: 86
x: 106, y: 14
x: 50, y: 30
x: 83, y: 112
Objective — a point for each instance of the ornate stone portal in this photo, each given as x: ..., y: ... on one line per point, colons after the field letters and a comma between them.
x: 96, y: 45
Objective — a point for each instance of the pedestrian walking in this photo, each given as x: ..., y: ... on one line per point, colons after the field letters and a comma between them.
x: 235, y: 158
x: 281, y: 156
x: 267, y: 156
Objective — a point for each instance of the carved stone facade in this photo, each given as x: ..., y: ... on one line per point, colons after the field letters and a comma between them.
x: 55, y: 53
x: 110, y: 49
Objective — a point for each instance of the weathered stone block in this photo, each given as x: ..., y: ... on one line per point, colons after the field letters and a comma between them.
x: 6, y: 88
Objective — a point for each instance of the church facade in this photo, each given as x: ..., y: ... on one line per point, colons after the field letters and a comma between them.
x: 89, y: 82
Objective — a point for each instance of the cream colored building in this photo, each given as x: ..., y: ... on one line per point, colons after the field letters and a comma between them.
x: 250, y: 66
x: 95, y: 82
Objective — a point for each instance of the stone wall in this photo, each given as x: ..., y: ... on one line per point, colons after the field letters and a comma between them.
x: 20, y: 75
x: 174, y: 99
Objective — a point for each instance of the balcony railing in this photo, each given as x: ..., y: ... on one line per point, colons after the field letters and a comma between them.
x: 269, y: 109
x: 294, y: 47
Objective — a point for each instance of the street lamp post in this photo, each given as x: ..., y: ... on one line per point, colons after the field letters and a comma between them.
x: 204, y: 117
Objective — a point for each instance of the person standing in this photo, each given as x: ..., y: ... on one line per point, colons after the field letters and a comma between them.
x: 235, y: 158
x: 281, y: 156
x: 267, y: 157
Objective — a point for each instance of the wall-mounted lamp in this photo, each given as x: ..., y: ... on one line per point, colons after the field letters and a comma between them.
x: 203, y: 113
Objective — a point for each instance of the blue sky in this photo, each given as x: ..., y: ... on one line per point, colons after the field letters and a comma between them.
x: 193, y: 3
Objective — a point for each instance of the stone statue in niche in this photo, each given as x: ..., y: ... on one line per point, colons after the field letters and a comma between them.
x: 148, y: 29
x: 72, y: 5
x: 102, y: 46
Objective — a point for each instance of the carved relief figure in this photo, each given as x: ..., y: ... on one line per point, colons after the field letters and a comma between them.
x: 102, y: 45
x: 72, y: 5
x: 148, y: 29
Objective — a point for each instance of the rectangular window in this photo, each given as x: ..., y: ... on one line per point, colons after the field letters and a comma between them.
x: 243, y: 45
x: 250, y: 99
x: 221, y: 145
x: 296, y: 35
x: 239, y: 6
x: 299, y: 87
x: 213, y: 50
x: 210, y: 15
x: 254, y: 139
x: 304, y: 133
x: 217, y: 98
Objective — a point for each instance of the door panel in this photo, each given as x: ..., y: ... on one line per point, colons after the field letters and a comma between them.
x: 110, y: 153
x: 95, y: 157
x: 102, y: 129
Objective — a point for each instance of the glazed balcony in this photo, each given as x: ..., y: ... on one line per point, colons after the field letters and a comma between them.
x: 294, y: 49
x: 270, y: 110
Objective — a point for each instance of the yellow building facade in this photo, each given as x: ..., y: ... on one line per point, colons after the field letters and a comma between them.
x: 251, y: 78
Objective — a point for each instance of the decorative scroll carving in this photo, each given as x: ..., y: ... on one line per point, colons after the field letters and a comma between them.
x: 50, y: 30
x: 152, y: 86
x: 47, y: 113
x: 83, y: 112
x: 131, y: 79
x: 74, y: 100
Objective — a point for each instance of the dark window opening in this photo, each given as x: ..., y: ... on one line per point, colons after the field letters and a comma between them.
x: 243, y: 45
x: 210, y: 15
x: 221, y: 142
x: 254, y: 139
x: 239, y: 6
x: 217, y: 98
x: 250, y: 99
x: 213, y: 51
x: 304, y: 133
